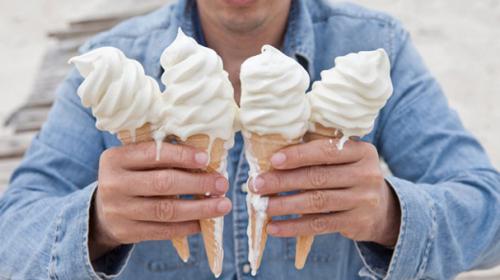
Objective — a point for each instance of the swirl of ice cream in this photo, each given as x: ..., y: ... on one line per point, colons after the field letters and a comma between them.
x: 273, y: 99
x: 350, y: 95
x: 121, y: 95
x: 199, y: 96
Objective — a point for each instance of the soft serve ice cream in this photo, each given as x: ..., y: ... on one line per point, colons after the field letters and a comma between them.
x: 124, y: 100
x: 198, y: 96
x: 349, y: 96
x: 273, y: 99
x: 274, y: 114
x: 121, y: 95
x: 199, y: 104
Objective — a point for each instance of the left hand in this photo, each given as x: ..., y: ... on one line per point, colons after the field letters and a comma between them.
x: 339, y: 191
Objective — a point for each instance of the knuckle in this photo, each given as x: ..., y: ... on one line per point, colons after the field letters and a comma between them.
x: 163, y: 182
x: 164, y: 210
x: 274, y: 180
x: 282, y: 205
x: 110, y: 211
x: 108, y: 155
x: 318, y: 176
x: 149, y: 152
x: 179, y: 153
x: 318, y: 224
x: 370, y: 151
x: 298, y: 153
x: 209, y: 208
x: 374, y: 177
x: 206, y: 181
x: 329, y: 149
x: 373, y: 201
x: 123, y: 235
x: 317, y: 201
x: 166, y: 232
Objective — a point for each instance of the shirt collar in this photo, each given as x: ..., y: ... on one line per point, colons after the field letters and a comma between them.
x: 298, y: 43
x: 299, y: 40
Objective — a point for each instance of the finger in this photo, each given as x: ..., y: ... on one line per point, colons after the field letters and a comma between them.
x: 318, y: 152
x: 311, y: 202
x: 135, y: 231
x: 171, y: 182
x: 175, y: 210
x: 306, y: 178
x: 309, y: 225
x: 143, y: 156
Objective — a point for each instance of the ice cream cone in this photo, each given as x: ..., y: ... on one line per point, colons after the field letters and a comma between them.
x: 304, y: 243
x: 211, y: 229
x: 259, y: 150
x: 143, y: 134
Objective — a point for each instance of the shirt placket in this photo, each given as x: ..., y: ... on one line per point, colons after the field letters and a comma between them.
x: 240, y: 216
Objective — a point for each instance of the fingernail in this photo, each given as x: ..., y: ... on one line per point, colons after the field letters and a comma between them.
x: 258, y: 183
x: 278, y: 159
x: 201, y: 158
x: 220, y: 185
x: 223, y: 206
x: 272, y: 229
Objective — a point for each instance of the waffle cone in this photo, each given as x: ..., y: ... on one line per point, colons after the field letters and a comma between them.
x: 304, y: 243
x: 143, y: 134
x: 261, y: 149
x: 211, y: 229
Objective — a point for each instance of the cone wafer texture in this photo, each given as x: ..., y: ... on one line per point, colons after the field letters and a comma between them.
x: 304, y: 243
x: 211, y: 229
x: 143, y: 134
x: 259, y: 150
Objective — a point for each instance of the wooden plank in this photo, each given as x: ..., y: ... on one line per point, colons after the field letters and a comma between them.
x: 76, y: 32
x: 31, y: 115
x: 6, y: 168
x: 53, y: 69
x: 14, y: 146
x: 29, y: 119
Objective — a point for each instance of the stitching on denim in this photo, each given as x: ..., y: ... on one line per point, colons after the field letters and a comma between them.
x: 355, y: 16
x: 236, y: 215
x: 52, y: 267
x: 430, y: 238
x: 404, y: 220
x: 83, y: 232
x: 366, y: 265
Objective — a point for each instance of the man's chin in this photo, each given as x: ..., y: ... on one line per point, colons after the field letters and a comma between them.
x: 241, y: 3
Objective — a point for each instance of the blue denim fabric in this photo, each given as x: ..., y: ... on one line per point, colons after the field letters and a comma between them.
x: 448, y: 190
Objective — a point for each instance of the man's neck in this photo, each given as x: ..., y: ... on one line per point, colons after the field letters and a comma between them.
x: 235, y: 47
x: 232, y: 45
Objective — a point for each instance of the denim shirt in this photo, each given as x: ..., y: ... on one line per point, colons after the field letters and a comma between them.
x: 447, y: 188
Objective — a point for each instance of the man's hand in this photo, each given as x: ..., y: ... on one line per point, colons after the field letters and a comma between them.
x: 134, y: 200
x: 339, y: 191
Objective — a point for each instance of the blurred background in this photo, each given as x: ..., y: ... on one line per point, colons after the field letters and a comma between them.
x: 459, y: 40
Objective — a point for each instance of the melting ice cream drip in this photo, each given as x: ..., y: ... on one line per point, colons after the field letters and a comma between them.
x: 349, y: 96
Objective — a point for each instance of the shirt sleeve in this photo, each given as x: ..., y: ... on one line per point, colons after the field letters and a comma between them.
x: 448, y: 190
x: 44, y: 215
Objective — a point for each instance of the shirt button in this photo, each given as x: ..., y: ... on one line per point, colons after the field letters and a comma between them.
x: 244, y: 188
x: 246, y: 268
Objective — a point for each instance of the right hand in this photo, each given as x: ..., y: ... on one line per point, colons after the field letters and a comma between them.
x: 135, y: 198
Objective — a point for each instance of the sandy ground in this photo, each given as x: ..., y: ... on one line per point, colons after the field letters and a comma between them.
x: 459, y: 40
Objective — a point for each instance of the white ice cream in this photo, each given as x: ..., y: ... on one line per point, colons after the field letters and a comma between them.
x: 199, y: 99
x: 121, y: 95
x: 350, y: 95
x: 273, y: 99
